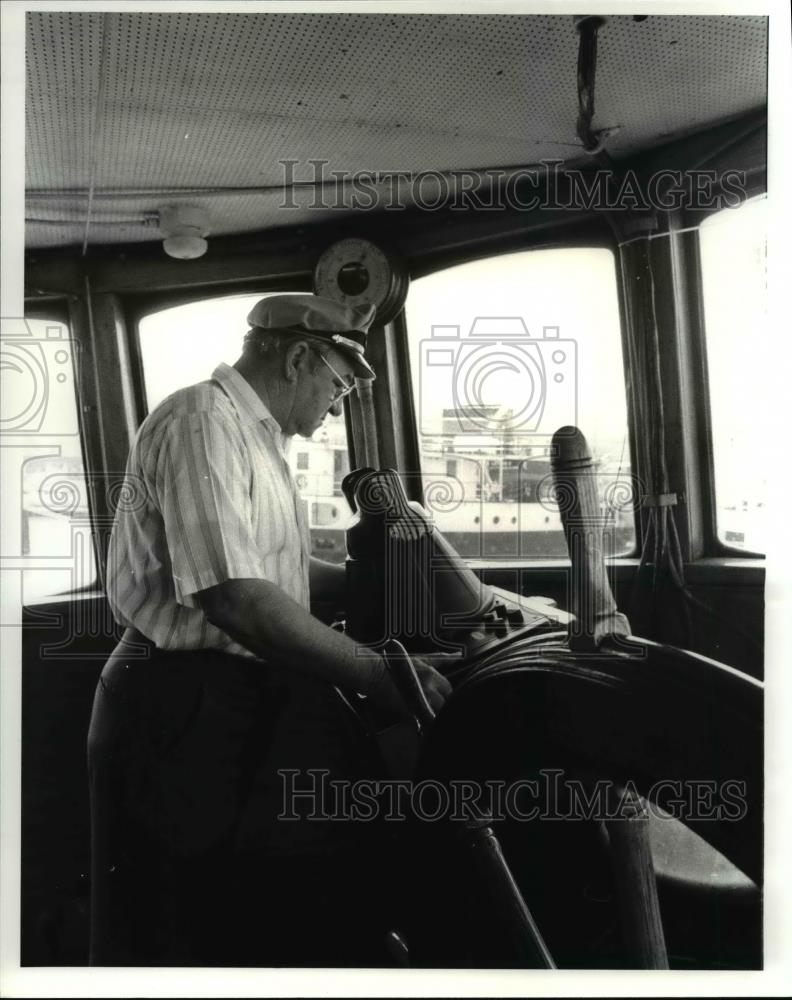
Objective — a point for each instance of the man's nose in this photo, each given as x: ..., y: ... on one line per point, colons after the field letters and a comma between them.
x: 337, y: 408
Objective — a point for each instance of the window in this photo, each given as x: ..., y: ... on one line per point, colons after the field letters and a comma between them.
x: 184, y: 344
x: 340, y: 468
x: 46, y: 520
x: 733, y: 246
x: 504, y: 351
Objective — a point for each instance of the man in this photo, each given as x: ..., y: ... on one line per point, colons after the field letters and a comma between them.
x: 223, y: 675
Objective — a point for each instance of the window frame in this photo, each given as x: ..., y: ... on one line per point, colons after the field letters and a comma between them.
x: 56, y: 310
x: 601, y: 239
x: 135, y: 305
x: 713, y: 546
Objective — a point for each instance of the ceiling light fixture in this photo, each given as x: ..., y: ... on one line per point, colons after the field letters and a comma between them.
x: 184, y: 228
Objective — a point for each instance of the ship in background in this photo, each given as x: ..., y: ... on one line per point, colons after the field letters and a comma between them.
x: 487, y: 488
x: 490, y: 494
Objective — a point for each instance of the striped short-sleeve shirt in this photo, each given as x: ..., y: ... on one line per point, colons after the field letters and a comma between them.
x: 209, y: 497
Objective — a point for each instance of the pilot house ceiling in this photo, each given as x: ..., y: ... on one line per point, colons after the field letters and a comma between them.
x: 128, y: 112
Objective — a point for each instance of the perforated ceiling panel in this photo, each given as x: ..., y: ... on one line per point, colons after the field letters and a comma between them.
x: 668, y: 75
x: 136, y: 107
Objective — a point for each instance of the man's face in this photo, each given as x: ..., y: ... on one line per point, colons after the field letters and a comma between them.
x: 318, y: 390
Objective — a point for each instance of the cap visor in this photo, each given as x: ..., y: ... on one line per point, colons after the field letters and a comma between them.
x: 362, y: 368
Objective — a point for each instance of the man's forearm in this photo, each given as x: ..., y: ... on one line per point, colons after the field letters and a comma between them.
x: 261, y: 617
x: 328, y: 582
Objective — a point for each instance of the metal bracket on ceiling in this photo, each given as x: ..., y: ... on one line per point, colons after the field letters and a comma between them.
x: 587, y: 26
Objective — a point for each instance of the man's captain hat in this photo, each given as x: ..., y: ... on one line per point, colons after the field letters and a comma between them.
x: 341, y: 327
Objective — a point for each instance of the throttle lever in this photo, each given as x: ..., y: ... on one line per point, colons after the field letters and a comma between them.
x: 405, y: 677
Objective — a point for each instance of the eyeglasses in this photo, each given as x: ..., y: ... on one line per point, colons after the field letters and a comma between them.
x: 347, y: 382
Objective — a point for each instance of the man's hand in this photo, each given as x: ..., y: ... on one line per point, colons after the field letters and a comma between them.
x: 385, y: 693
x: 436, y: 687
x: 261, y: 617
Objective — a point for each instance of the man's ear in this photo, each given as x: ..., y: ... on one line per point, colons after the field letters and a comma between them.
x: 295, y: 359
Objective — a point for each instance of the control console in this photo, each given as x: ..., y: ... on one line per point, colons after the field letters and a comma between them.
x: 406, y: 582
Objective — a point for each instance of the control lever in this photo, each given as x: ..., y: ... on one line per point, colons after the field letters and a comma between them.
x: 596, y: 616
x: 402, y: 670
x: 399, y: 742
x: 477, y: 834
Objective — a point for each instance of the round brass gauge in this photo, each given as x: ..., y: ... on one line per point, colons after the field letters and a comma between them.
x: 356, y: 272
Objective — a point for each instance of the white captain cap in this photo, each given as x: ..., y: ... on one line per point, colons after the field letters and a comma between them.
x: 342, y: 327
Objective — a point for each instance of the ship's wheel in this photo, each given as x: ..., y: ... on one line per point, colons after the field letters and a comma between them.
x: 571, y: 736
x: 571, y: 750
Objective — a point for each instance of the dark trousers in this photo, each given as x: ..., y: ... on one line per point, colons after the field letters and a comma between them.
x: 190, y: 863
